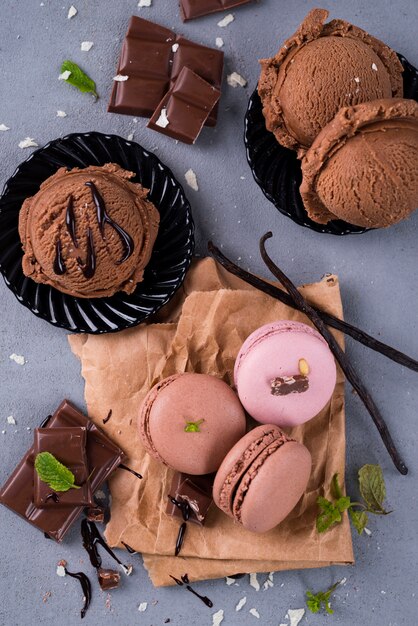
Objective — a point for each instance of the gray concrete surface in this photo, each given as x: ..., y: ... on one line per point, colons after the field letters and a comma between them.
x: 378, y: 273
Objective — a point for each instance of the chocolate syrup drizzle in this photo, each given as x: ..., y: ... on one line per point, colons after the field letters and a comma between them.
x: 85, y: 586
x: 108, y: 416
x: 129, y: 549
x: 180, y: 538
x: 185, y: 581
x: 91, y: 538
x: 52, y: 496
x: 183, y: 506
x: 128, y: 469
x: 89, y: 267
x: 103, y: 219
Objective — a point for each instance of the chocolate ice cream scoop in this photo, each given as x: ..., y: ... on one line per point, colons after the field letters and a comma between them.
x: 320, y: 69
x: 363, y: 166
x: 88, y: 232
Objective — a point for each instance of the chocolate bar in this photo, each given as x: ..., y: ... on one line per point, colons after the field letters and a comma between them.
x: 184, y: 110
x: 152, y: 57
x: 190, y: 497
x: 190, y: 9
x: 68, y: 445
x: 103, y: 456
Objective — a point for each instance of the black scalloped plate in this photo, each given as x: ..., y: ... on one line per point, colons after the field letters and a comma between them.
x: 170, y: 258
x: 277, y: 171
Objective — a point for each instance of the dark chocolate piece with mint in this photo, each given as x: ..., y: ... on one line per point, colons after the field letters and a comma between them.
x: 190, y: 497
x: 103, y: 456
x: 191, y: 9
x: 183, y: 111
x: 68, y: 445
x: 152, y: 57
x: 285, y: 385
x: 108, y: 579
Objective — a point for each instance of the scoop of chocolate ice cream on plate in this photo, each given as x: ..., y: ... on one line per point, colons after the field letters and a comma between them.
x: 321, y: 68
x: 88, y: 232
x: 363, y: 166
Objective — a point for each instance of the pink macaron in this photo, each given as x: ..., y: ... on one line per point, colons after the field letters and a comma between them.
x: 262, y: 478
x: 285, y: 374
x: 190, y: 421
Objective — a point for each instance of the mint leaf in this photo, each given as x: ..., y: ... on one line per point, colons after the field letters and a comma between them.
x: 336, y: 488
x: 373, y: 488
x: 193, y: 427
x: 342, y: 504
x: 359, y: 519
x: 54, y: 473
x: 315, y: 601
x: 78, y: 78
x: 329, y: 515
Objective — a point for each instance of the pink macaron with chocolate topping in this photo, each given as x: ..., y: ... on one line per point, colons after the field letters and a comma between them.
x: 285, y: 373
x: 262, y: 478
x: 189, y: 422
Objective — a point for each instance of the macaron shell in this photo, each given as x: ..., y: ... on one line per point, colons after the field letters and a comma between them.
x: 194, y: 397
x: 269, y: 492
x: 275, y: 350
x: 239, y: 459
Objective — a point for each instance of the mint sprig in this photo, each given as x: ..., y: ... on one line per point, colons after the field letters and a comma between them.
x: 78, y: 78
x: 193, y: 427
x: 54, y: 473
x: 373, y: 491
x: 322, y: 598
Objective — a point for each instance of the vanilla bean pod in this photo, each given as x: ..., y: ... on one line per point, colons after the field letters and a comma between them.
x: 327, y: 318
x: 339, y: 355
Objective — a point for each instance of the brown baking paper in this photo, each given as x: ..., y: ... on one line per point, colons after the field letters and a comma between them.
x: 202, y: 331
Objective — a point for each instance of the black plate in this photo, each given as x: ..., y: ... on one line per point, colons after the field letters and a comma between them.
x: 277, y: 171
x: 170, y: 258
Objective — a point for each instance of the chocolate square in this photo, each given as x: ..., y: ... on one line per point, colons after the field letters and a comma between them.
x: 68, y: 445
x: 196, y: 491
x: 187, y: 107
x: 103, y: 456
x: 197, y: 8
x: 153, y: 57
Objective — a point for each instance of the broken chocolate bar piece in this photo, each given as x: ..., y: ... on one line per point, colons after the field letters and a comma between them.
x: 108, y: 579
x: 193, y: 491
x: 285, y: 385
x: 152, y: 57
x: 68, y: 445
x: 96, y: 514
x: 184, y: 110
x: 197, y: 8
x: 103, y: 457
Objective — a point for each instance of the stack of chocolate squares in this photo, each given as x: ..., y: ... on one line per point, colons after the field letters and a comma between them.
x: 76, y: 442
x: 168, y: 78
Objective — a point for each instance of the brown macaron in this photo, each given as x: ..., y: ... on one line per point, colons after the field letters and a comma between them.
x: 262, y: 478
x: 189, y: 422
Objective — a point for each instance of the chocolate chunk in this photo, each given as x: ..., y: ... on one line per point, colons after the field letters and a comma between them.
x: 152, y: 57
x: 184, y: 110
x: 108, y: 579
x: 196, y: 8
x: 68, y: 445
x: 103, y: 457
x: 285, y: 385
x: 96, y: 514
x: 195, y: 492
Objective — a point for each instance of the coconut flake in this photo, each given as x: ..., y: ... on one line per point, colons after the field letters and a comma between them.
x: 61, y: 114
x: 144, y: 3
x: 130, y: 137
x: 254, y: 582
x: 295, y: 616
x: 3, y: 127
x: 229, y: 581
x: 368, y: 531
x: 11, y: 420
x: 236, y: 80
x: 61, y: 570
x: 374, y: 67
x: 86, y: 46
x: 191, y: 179
x: 175, y: 47
x: 255, y: 613
x: 219, y: 42
x: 357, y: 80
x: 241, y: 604
x: 226, y: 20
x: 17, y: 358
x: 28, y: 143
x: 120, y: 78
x: 217, y: 617
x: 72, y: 12
x: 163, y: 120
x: 142, y: 607
x: 65, y: 75
x: 268, y: 583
